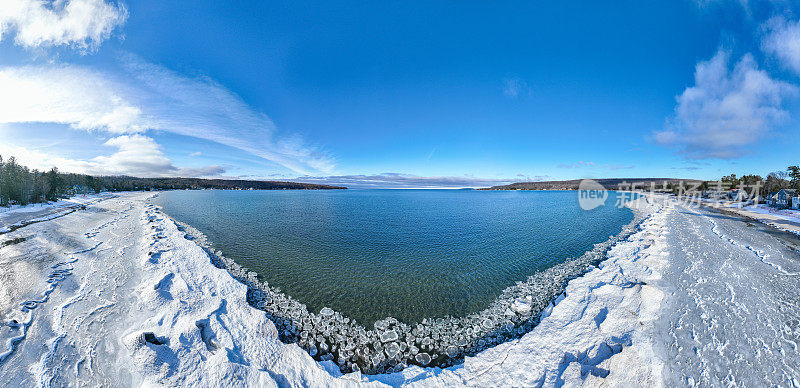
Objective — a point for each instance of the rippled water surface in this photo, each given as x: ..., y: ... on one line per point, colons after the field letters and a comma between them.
x: 409, y: 254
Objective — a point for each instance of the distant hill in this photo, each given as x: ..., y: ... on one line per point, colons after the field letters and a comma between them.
x: 608, y: 183
x: 126, y: 183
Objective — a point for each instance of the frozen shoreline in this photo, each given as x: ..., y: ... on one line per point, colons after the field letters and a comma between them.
x: 390, y: 346
x: 203, y: 329
x: 16, y: 216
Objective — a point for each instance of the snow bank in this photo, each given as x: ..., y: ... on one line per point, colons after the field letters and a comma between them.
x: 16, y: 216
x: 786, y: 214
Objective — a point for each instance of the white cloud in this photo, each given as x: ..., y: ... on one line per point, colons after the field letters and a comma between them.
x: 67, y: 95
x: 82, y: 24
x: 142, y: 96
x: 782, y: 39
x: 726, y: 110
x: 515, y: 87
x: 592, y: 165
x: 579, y: 164
x: 134, y: 155
x: 397, y: 180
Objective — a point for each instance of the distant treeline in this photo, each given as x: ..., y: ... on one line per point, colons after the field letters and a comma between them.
x: 21, y: 185
x: 608, y: 183
x: 775, y: 181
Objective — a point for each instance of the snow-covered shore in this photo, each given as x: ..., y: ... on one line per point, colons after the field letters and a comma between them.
x: 117, y: 295
x: 787, y: 220
x: 17, y: 216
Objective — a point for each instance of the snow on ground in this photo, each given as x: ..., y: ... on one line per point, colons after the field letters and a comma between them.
x: 16, y: 216
x: 787, y: 220
x: 732, y: 312
x: 786, y: 214
x: 116, y: 295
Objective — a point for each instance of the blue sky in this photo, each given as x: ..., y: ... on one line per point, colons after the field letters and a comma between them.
x: 439, y: 94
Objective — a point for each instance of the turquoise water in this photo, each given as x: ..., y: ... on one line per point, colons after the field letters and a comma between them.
x: 409, y: 254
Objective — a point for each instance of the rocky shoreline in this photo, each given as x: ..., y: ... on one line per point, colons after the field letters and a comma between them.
x: 390, y: 346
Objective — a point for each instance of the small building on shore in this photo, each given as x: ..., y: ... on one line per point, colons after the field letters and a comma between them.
x: 737, y: 195
x: 771, y: 199
x: 784, y: 198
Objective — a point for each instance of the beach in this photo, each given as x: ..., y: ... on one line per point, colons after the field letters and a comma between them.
x: 113, y: 292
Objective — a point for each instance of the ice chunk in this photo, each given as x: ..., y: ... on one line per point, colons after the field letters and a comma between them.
x: 521, y: 306
x: 389, y: 336
x: 326, y: 312
x: 392, y: 349
x: 381, y: 325
x: 423, y: 358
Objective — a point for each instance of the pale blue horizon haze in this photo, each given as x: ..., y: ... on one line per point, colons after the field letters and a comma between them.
x: 412, y: 94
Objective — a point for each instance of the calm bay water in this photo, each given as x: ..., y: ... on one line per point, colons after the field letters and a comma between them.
x: 409, y: 254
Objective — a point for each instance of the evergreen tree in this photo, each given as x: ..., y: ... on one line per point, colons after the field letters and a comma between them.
x: 794, y: 174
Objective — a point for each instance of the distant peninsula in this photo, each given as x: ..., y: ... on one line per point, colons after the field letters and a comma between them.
x: 608, y: 183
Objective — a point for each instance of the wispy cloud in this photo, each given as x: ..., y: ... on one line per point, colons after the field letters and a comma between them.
x: 686, y: 168
x: 578, y: 164
x: 135, y: 155
x: 430, y: 154
x: 534, y: 178
x: 592, y: 165
x: 726, y: 110
x: 82, y: 24
x: 782, y: 40
x: 515, y: 87
x: 141, y: 96
x: 619, y: 166
x: 397, y: 180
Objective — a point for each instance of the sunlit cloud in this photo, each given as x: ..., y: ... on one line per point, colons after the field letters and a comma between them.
x: 727, y: 110
x: 782, y: 40
x: 82, y: 24
x: 134, y: 155
x: 141, y: 96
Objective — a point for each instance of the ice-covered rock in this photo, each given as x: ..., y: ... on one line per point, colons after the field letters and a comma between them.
x: 423, y: 358
x: 392, y: 349
x: 389, y: 336
x: 521, y: 306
